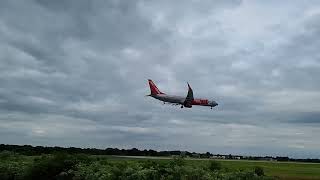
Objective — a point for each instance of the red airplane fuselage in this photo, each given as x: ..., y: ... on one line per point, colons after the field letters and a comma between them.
x: 188, y: 101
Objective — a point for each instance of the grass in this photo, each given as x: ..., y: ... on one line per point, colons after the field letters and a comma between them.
x: 283, y: 170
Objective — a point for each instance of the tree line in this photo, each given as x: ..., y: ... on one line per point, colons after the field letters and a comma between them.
x: 38, y: 150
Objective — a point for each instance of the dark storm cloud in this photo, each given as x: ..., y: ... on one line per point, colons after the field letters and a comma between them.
x: 307, y: 117
x: 73, y: 73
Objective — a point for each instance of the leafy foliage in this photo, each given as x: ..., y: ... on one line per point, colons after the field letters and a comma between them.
x: 215, y: 166
x: 259, y: 171
x: 83, y: 167
x: 51, y: 167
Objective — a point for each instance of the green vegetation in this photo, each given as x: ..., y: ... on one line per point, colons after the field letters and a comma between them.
x: 81, y: 167
x: 285, y: 170
x: 282, y: 170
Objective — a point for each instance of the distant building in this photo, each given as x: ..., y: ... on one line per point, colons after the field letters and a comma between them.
x: 237, y: 157
x: 218, y: 157
x: 183, y: 153
x: 195, y: 155
x: 267, y: 159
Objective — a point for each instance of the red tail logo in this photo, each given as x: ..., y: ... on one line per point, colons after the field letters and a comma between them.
x: 153, y: 88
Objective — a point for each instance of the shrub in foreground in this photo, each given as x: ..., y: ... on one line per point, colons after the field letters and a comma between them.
x: 259, y: 171
x: 53, y: 167
x: 77, y: 167
x: 215, y: 166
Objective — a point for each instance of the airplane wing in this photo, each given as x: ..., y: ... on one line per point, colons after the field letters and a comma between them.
x: 189, y: 98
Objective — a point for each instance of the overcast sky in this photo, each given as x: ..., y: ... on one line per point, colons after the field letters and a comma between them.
x: 74, y: 73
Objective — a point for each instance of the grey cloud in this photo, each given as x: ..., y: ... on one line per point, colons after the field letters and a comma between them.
x: 306, y: 117
x: 82, y: 66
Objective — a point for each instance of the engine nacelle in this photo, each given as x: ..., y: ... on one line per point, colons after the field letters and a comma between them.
x: 187, y: 105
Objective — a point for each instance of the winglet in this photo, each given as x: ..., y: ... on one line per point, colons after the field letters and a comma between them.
x: 188, y: 85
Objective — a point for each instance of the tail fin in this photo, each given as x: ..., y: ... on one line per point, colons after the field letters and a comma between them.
x: 153, y: 88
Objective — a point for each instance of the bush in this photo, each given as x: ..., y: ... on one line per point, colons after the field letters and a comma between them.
x: 6, y: 173
x: 51, y: 167
x: 5, y: 155
x: 215, y: 166
x: 177, y: 161
x: 83, y: 167
x: 259, y: 171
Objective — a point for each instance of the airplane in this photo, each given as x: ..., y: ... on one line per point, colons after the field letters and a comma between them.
x: 187, y: 101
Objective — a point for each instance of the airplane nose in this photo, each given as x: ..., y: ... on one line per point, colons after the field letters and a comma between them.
x: 214, y: 103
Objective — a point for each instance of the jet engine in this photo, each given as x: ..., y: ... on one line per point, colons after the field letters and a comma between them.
x: 187, y: 105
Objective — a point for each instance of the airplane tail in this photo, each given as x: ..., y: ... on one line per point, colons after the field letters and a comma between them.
x: 153, y: 88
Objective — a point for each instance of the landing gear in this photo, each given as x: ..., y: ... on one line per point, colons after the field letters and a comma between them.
x: 181, y: 106
x: 211, y: 107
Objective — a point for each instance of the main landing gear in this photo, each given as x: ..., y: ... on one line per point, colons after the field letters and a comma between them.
x: 181, y: 106
x: 211, y: 107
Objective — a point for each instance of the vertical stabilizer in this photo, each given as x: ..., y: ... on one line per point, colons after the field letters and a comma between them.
x: 153, y: 88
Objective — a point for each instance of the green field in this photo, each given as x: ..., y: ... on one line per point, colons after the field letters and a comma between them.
x: 282, y: 170
x: 66, y: 166
x: 288, y: 170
